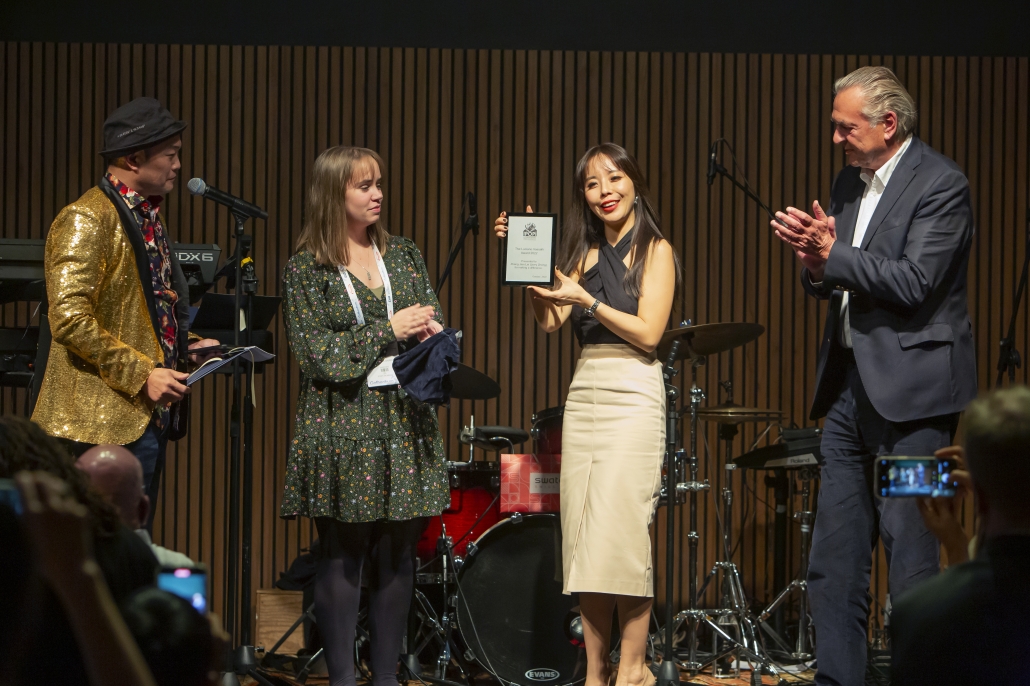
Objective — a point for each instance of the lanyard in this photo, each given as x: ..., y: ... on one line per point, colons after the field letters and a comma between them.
x: 388, y: 291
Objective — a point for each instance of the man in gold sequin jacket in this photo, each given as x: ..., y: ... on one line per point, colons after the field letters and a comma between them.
x: 119, y: 302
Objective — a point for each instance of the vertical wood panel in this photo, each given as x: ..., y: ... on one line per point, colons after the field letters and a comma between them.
x: 510, y: 125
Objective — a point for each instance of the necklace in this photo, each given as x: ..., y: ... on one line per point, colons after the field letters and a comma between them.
x: 368, y: 274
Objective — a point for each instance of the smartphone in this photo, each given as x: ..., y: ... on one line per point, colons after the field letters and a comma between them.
x: 10, y: 495
x: 903, y: 477
x: 187, y: 582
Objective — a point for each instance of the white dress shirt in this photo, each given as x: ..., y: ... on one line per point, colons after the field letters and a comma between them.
x: 165, y: 557
x: 875, y: 185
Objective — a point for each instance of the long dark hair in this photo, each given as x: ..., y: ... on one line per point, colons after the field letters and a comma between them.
x: 584, y: 228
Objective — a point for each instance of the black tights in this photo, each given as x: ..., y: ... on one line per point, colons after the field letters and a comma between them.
x: 344, y: 547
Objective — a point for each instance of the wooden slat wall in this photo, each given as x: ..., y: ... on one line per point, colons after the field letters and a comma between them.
x: 510, y: 126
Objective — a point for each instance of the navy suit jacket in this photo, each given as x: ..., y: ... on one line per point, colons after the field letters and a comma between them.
x: 910, y: 327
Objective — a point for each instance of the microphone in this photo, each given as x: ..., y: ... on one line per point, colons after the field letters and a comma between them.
x: 197, y: 186
x: 711, y: 162
x: 473, y: 218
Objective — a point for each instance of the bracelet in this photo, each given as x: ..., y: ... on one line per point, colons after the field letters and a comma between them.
x: 589, y: 312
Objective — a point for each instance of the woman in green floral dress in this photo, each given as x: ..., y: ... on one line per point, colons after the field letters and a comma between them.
x: 367, y: 460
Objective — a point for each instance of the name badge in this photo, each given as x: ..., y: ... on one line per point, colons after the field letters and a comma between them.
x: 383, y: 375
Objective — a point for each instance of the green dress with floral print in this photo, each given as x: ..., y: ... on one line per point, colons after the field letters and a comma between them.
x: 358, y: 454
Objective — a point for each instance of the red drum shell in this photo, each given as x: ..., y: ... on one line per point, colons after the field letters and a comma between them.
x: 474, y: 493
x: 547, y: 430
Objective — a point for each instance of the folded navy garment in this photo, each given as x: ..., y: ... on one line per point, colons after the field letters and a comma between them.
x: 424, y: 371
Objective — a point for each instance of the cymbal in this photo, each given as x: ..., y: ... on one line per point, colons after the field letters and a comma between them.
x: 731, y: 413
x: 708, y: 339
x: 470, y: 384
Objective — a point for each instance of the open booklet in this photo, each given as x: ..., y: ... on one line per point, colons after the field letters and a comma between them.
x: 252, y: 353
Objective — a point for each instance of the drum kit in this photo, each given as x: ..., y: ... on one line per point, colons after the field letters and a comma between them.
x: 488, y: 583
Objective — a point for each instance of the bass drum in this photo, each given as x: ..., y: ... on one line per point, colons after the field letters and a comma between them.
x: 511, y: 611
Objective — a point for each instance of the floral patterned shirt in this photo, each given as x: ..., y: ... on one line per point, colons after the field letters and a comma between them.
x: 159, y: 256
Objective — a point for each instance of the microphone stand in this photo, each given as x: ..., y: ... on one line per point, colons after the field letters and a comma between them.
x: 240, y: 661
x: 1009, y: 358
x: 469, y: 224
x: 722, y: 171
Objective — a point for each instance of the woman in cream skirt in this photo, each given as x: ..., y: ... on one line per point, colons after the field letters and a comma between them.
x: 616, y: 278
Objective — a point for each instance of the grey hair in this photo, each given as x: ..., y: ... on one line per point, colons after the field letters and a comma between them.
x: 883, y: 93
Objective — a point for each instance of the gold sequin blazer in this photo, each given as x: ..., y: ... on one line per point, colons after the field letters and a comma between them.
x: 103, y: 322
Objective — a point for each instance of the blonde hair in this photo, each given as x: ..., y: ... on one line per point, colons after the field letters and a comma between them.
x: 325, y: 217
x: 883, y: 93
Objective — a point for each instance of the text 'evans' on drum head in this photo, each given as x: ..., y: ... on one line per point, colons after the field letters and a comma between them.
x: 511, y: 611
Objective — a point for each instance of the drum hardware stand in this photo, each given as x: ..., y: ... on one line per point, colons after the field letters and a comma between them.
x: 439, y: 628
x: 693, y: 616
x: 668, y: 672
x: 465, y: 436
x: 799, y: 584
x: 734, y: 610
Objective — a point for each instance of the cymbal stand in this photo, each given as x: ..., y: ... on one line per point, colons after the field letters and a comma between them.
x: 692, y: 614
x: 799, y: 584
x: 733, y: 610
x: 668, y: 673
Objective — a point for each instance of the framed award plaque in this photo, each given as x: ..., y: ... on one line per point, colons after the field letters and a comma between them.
x: 530, y: 250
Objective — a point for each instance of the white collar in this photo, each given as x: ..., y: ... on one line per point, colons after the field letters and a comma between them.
x: 884, y: 173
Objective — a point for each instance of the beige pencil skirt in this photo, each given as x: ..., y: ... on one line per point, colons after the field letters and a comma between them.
x: 613, y: 443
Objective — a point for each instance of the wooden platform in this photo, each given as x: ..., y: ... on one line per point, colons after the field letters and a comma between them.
x: 744, y: 680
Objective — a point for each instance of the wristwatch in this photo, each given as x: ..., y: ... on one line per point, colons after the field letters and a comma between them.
x: 589, y: 312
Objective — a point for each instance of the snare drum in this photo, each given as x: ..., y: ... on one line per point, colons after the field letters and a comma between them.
x: 547, y: 430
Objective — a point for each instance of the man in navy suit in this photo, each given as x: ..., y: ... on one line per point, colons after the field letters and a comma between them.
x: 896, y: 365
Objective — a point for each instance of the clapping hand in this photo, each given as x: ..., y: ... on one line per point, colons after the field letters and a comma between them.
x: 411, y: 321
x: 809, y: 236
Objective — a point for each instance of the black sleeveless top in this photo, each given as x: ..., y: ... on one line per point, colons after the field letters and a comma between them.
x: 604, y: 282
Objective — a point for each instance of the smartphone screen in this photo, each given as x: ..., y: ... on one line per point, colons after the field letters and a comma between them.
x: 187, y: 582
x: 10, y: 495
x: 901, y: 477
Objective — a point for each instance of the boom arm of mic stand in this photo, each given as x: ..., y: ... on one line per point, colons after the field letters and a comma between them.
x: 455, y: 249
x: 747, y: 191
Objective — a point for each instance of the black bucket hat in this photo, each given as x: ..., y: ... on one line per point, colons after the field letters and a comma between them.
x: 137, y: 125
